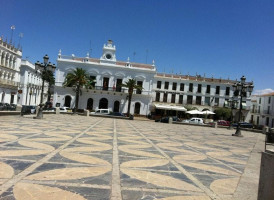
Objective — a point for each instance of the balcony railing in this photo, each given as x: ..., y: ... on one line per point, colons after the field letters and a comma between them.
x: 9, y: 82
x: 120, y: 89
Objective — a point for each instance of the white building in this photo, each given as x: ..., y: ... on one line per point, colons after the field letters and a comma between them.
x: 10, y: 61
x: 160, y: 90
x: 109, y: 73
x: 195, y: 91
x: 30, y: 85
x: 262, y: 110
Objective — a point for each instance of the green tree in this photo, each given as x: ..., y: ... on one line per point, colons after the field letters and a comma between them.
x: 131, y: 84
x: 78, y: 79
x: 222, y: 113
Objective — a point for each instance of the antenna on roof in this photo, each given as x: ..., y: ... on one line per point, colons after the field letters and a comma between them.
x: 20, y: 37
x: 12, y: 29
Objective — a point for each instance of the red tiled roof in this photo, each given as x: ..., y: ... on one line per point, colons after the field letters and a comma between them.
x: 269, y: 94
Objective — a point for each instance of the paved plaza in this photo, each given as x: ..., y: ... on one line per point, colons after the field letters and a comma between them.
x: 75, y: 158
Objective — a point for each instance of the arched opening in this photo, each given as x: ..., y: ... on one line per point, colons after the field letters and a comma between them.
x: 67, y: 101
x: 103, y: 104
x: 116, y: 106
x: 90, y: 104
x: 137, y: 108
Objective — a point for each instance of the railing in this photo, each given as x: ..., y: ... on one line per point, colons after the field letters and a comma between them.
x: 9, y: 82
x: 120, y: 89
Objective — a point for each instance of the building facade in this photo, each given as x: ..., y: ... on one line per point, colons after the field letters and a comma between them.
x: 197, y: 92
x: 10, y: 61
x: 30, y: 87
x: 160, y: 91
x: 109, y: 74
x: 262, y: 110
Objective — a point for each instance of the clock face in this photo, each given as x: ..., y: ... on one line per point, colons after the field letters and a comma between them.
x: 108, y: 56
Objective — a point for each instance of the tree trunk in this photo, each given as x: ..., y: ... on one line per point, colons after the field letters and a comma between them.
x: 77, y: 99
x: 129, y: 103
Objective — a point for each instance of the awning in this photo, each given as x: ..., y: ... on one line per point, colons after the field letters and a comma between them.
x: 170, y: 107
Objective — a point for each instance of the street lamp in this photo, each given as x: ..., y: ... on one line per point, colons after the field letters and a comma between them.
x: 240, y: 89
x: 232, y: 104
x: 44, y: 67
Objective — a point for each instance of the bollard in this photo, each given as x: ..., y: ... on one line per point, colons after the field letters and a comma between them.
x: 86, y: 112
x: 57, y: 111
x: 170, y: 120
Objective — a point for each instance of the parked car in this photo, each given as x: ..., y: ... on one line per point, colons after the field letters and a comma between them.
x: 117, y: 114
x: 2, y: 106
x: 65, y: 109
x: 28, y: 110
x: 194, y: 120
x: 101, y: 112
x: 13, y: 106
x: 243, y: 125
x: 223, y: 123
x: 49, y: 109
x: 166, y: 119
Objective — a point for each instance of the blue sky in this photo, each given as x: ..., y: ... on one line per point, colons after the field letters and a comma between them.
x: 223, y: 38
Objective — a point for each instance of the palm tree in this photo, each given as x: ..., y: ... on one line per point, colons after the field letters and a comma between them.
x: 78, y: 79
x: 131, y: 85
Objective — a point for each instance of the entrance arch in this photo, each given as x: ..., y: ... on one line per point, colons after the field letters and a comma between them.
x: 137, y: 108
x: 116, y: 106
x: 90, y: 104
x: 67, y: 101
x: 103, y: 103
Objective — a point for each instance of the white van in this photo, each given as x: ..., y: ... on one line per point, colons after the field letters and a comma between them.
x: 101, y: 112
x: 194, y: 120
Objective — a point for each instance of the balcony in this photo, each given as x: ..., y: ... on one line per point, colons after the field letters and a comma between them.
x: 8, y: 83
x: 119, y: 89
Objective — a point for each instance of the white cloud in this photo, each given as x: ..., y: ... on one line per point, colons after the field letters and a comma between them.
x: 264, y: 91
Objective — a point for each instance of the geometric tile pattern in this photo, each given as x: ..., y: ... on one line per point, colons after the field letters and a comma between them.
x: 76, y: 157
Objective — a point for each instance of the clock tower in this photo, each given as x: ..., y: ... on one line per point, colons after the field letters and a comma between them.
x: 108, y: 53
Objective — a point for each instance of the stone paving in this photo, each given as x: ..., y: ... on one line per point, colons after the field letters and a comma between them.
x: 76, y: 157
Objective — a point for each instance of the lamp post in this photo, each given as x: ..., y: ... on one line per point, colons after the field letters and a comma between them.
x: 44, y: 67
x: 240, y: 89
x: 232, y: 104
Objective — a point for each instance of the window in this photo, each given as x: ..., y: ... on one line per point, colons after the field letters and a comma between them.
x: 260, y: 100
x: 157, y: 96
x: 267, y: 121
x: 181, y: 97
x: 227, y: 91
x: 268, y: 110
x: 199, y: 88
x: 208, y: 89
x: 159, y: 83
x: 198, y: 100
x: 216, y: 101
x: 174, y: 86
x: 182, y: 87
x: 217, y: 89
x: 118, y: 85
x: 165, y: 97
x: 173, y: 98
x: 258, y: 120
x: 93, y: 78
x: 190, y: 87
x: 259, y: 110
x: 189, y: 99
x: 269, y: 100
x: 139, y: 83
x: 207, y: 101
x: 166, y: 85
